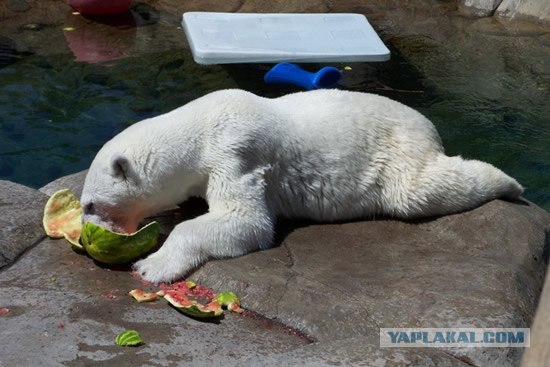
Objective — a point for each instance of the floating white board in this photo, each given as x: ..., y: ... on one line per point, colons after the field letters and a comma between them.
x: 226, y: 38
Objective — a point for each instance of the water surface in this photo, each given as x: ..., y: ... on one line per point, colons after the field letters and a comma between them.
x: 486, y: 90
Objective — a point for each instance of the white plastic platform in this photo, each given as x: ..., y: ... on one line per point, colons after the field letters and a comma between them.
x: 226, y: 38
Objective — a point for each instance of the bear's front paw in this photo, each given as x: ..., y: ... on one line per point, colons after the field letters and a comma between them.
x: 158, y: 268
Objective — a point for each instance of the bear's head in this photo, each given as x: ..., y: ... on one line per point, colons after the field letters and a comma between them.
x: 111, y: 193
x: 124, y: 186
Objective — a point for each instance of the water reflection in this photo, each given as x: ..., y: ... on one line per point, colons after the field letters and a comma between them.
x: 487, y: 93
x: 100, y: 39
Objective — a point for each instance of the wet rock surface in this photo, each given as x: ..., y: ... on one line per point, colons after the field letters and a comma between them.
x: 73, y: 182
x: 319, y: 297
x: 67, y: 310
x: 21, y: 211
x: 474, y: 269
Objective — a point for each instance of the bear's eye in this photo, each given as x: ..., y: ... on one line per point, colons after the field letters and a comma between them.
x: 89, y: 208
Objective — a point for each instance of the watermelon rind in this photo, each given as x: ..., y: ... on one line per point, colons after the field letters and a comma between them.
x: 128, y: 338
x: 63, y: 217
x: 142, y: 296
x: 225, y: 298
x: 195, y: 309
x: 118, y: 248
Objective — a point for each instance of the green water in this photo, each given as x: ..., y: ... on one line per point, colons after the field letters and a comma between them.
x: 56, y: 113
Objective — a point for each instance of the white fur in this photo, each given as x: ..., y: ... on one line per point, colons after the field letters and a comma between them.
x: 326, y: 155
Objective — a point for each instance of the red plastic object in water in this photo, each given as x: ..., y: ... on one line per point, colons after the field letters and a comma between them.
x: 100, y: 7
x: 100, y: 41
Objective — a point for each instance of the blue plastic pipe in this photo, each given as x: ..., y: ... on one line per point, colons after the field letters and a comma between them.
x: 286, y: 73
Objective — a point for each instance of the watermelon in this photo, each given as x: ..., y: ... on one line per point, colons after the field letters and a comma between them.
x: 63, y: 217
x: 118, y: 248
x: 230, y: 301
x: 142, y: 296
x: 128, y: 338
x: 192, y: 308
x: 225, y: 298
x: 234, y: 307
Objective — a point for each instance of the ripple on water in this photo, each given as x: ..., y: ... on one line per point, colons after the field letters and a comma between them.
x: 487, y: 93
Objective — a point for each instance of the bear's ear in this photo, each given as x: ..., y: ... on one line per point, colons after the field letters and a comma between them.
x: 121, y: 166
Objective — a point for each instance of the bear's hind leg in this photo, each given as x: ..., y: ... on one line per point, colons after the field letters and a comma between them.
x: 451, y: 184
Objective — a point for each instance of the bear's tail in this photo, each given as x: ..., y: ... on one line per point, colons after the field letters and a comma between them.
x: 452, y: 184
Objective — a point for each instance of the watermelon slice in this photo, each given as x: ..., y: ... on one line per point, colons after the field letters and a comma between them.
x: 128, y: 338
x: 118, y: 248
x: 230, y: 301
x: 63, y: 217
x: 225, y: 298
x: 192, y: 299
x: 160, y: 293
x: 142, y: 296
x: 235, y: 307
x: 192, y: 308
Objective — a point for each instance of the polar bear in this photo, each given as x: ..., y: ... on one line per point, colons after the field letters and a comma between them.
x: 325, y: 155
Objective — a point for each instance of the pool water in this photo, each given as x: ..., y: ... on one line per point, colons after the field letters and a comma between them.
x: 55, y: 112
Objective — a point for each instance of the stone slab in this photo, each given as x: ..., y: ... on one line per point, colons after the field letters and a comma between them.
x: 483, y: 268
x: 67, y: 310
x: 534, y: 9
x: 21, y: 210
x: 482, y: 7
x: 538, y: 355
x: 339, y: 283
x: 74, y: 182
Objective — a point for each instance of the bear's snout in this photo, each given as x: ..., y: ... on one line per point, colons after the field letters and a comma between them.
x: 108, y: 217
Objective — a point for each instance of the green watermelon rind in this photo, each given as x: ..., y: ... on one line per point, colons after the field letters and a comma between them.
x: 195, y: 310
x: 72, y: 205
x: 128, y: 338
x: 118, y: 248
x: 226, y: 298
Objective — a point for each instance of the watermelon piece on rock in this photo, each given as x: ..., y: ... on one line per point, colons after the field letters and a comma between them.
x: 118, y: 248
x: 230, y: 301
x: 63, y: 217
x: 129, y: 338
x: 225, y: 298
x: 142, y: 296
x: 192, y: 308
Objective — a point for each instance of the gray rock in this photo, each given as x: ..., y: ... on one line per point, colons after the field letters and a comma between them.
x: 74, y: 182
x: 18, y: 5
x: 66, y: 310
x: 8, y: 51
x: 535, y: 9
x: 482, y: 7
x: 34, y: 27
x: 482, y: 268
x: 538, y: 355
x: 321, y: 295
x: 21, y: 210
x: 358, y: 351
